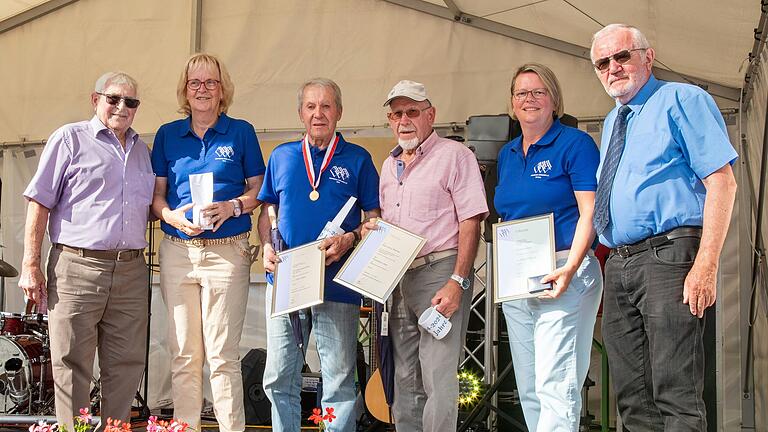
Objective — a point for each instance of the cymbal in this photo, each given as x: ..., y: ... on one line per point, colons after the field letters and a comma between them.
x: 7, y: 270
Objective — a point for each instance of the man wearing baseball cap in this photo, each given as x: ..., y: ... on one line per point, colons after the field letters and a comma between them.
x: 430, y: 186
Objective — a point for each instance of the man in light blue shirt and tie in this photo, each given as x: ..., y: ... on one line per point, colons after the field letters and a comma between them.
x: 663, y: 204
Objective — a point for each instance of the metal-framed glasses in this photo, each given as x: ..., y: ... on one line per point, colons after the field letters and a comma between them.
x: 115, y: 99
x: 411, y: 113
x: 210, y: 84
x: 538, y: 93
x: 621, y: 57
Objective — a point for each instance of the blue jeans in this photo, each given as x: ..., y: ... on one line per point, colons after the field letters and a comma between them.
x: 550, y: 341
x: 335, y: 326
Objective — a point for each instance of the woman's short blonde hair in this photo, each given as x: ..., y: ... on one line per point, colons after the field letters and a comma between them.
x: 213, y: 63
x: 550, y: 82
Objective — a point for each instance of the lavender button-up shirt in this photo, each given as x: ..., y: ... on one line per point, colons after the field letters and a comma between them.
x: 98, y: 194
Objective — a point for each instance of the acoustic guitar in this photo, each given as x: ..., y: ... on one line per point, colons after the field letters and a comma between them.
x: 375, y: 399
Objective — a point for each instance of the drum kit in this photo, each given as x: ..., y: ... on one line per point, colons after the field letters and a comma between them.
x: 26, y: 378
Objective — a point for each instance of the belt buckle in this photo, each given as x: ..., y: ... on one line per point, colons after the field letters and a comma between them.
x: 623, y: 251
x: 120, y: 253
x: 197, y: 242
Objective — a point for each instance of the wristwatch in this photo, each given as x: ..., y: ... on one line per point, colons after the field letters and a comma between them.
x: 463, y: 282
x: 238, y: 208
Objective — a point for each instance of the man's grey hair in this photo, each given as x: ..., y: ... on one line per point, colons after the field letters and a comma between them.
x: 321, y: 82
x: 638, y: 38
x: 118, y: 78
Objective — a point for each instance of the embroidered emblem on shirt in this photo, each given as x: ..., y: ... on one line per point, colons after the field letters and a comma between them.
x: 339, y: 174
x: 225, y: 153
x: 542, y: 169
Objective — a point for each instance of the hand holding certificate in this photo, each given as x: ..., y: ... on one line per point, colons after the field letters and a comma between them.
x: 299, y: 279
x: 523, y: 253
x: 380, y: 261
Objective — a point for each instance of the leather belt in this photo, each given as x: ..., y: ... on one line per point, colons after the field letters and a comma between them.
x: 655, y: 241
x: 111, y: 255
x: 203, y: 242
x: 432, y: 257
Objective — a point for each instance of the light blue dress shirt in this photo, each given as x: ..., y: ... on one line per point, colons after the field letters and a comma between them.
x: 676, y: 136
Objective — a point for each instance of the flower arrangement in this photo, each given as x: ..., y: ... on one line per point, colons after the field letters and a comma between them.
x: 321, y: 419
x: 83, y: 424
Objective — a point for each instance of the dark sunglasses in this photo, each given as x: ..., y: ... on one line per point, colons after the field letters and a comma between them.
x: 115, y: 99
x: 621, y: 57
x: 410, y: 113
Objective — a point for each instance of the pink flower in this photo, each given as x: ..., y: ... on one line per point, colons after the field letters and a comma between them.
x: 42, y: 426
x: 155, y: 425
x: 85, y: 416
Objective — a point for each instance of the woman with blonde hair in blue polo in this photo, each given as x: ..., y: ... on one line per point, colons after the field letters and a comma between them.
x: 551, y: 168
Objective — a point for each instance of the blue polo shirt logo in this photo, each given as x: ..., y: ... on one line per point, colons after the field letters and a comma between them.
x: 225, y: 153
x: 542, y: 169
x: 340, y: 174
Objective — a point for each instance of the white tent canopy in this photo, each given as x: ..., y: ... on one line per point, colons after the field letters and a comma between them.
x: 463, y: 50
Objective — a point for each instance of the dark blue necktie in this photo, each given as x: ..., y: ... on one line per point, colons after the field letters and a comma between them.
x: 610, y: 164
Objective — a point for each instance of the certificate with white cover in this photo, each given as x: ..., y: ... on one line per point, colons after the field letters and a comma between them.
x: 380, y: 260
x: 523, y: 253
x: 299, y: 279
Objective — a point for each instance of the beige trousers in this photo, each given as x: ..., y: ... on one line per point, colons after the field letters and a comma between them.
x: 205, y: 290
x: 426, y: 378
x: 95, y: 303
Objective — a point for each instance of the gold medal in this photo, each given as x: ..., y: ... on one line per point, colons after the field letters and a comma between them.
x: 315, y: 182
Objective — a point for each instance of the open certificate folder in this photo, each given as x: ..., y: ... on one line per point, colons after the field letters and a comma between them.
x: 299, y: 279
x: 380, y: 260
x: 523, y: 253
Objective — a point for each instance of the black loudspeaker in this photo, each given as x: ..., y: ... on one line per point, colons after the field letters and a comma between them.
x: 487, y: 134
x: 258, y: 409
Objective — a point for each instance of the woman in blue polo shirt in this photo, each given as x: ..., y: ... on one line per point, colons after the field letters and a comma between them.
x: 204, y: 271
x: 551, y: 169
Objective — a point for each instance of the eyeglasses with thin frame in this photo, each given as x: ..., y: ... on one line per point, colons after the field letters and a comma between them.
x: 210, y: 84
x: 411, y: 113
x: 538, y: 93
x: 621, y: 57
x: 115, y: 99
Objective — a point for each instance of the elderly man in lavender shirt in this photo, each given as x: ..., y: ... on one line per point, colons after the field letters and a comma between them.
x: 430, y: 186
x: 93, y: 188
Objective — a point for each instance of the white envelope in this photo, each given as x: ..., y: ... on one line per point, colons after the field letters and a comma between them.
x: 201, y: 188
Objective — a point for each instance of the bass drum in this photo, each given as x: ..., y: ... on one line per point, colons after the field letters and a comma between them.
x: 25, y: 372
x: 12, y: 324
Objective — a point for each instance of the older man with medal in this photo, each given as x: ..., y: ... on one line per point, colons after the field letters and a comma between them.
x: 309, y: 181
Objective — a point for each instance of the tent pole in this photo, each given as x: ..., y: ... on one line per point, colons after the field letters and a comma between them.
x: 195, y: 36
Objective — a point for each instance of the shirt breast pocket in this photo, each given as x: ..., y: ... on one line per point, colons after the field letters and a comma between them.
x: 647, y: 151
x: 427, y: 206
x: 143, y: 188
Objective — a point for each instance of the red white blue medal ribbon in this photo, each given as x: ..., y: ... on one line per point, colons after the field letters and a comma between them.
x: 310, y: 168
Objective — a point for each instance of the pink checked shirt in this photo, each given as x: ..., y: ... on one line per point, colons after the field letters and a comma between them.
x: 439, y: 188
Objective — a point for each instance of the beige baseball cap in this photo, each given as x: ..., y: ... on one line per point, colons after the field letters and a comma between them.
x: 410, y: 89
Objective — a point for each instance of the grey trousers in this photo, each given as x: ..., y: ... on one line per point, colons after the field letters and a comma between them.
x: 426, y: 382
x: 95, y: 303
